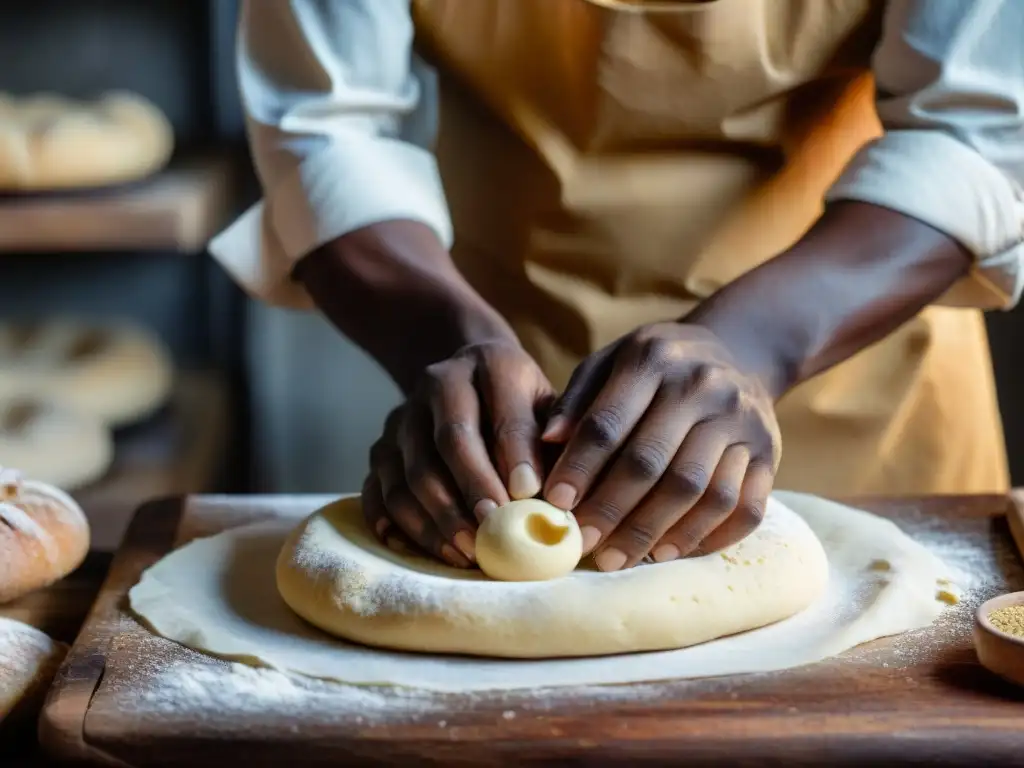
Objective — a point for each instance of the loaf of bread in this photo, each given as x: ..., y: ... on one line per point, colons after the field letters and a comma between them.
x: 28, y: 661
x: 53, y: 444
x: 118, y: 373
x: 52, y: 143
x: 43, y: 535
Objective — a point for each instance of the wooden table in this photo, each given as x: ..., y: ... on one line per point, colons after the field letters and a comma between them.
x: 875, y: 705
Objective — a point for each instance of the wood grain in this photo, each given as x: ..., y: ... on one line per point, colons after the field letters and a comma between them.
x: 178, y: 209
x: 918, y: 699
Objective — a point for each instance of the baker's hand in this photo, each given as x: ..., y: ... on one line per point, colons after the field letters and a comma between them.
x: 671, y: 449
x: 432, y: 476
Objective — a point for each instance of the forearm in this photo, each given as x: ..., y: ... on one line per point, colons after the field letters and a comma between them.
x: 393, y: 289
x: 858, y: 274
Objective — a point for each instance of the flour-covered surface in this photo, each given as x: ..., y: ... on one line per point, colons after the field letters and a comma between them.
x: 157, y: 692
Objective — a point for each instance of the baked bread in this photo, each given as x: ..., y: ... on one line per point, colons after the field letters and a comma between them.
x: 53, y: 444
x: 43, y: 535
x: 28, y: 661
x: 52, y: 143
x: 118, y: 374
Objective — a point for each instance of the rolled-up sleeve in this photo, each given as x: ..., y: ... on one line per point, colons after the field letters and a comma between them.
x: 341, y: 115
x: 950, y: 78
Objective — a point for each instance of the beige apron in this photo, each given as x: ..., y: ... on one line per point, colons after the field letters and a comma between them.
x: 609, y: 164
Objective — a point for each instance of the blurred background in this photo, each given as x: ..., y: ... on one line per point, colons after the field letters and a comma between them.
x: 131, y: 256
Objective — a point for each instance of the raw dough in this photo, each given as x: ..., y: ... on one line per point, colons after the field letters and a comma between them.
x: 118, y: 373
x: 335, y: 575
x: 218, y: 595
x: 528, y: 540
x: 49, y: 142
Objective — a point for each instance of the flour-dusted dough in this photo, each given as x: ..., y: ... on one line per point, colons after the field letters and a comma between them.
x: 528, y: 540
x: 218, y: 595
x: 49, y: 142
x: 335, y: 574
x: 118, y: 373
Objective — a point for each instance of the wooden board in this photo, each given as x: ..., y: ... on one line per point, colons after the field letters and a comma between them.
x: 178, y: 209
x: 921, y: 698
x: 179, y: 451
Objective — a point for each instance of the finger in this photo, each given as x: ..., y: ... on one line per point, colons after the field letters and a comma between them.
x: 512, y: 406
x: 584, y: 384
x: 715, y: 507
x: 410, y: 517
x: 637, y: 469
x: 431, y: 483
x: 749, y: 511
x: 618, y: 408
x: 377, y: 521
x: 680, y: 488
x: 374, y: 512
x: 455, y: 410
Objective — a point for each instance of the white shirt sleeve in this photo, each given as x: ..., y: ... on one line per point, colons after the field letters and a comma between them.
x: 950, y: 77
x: 341, y: 116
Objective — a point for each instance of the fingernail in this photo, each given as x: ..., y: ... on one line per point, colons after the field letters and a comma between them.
x: 610, y: 560
x: 523, y: 482
x: 382, y: 525
x: 452, y: 556
x: 483, y: 508
x: 591, y: 537
x: 562, y: 496
x: 464, y: 543
x: 666, y: 552
x: 555, y: 428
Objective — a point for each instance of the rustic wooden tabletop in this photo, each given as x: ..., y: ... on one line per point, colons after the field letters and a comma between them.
x: 942, y: 708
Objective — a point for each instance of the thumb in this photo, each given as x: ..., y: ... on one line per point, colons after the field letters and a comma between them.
x: 584, y: 384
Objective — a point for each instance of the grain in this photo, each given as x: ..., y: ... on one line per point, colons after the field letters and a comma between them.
x: 1009, y: 620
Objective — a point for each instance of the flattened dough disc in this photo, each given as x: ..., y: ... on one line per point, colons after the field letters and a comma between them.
x: 335, y: 575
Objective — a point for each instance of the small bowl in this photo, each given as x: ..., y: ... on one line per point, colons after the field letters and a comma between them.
x: 998, y: 651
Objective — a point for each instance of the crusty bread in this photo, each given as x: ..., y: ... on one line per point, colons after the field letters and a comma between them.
x: 49, y: 143
x: 118, y: 373
x: 52, y: 443
x: 28, y: 661
x: 43, y: 535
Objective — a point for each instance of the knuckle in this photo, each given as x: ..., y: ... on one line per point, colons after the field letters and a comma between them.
x: 689, y: 480
x: 730, y: 399
x: 515, y: 429
x: 655, y: 352
x: 752, y: 513
x: 418, y: 477
x: 647, y: 459
x: 603, y: 428
x: 607, y: 510
x: 722, y: 497
x: 452, y: 438
x: 641, y: 536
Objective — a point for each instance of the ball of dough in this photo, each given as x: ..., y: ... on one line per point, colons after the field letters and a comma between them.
x: 528, y: 540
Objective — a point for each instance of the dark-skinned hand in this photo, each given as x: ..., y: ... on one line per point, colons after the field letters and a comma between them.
x: 670, y: 450
x: 467, y: 440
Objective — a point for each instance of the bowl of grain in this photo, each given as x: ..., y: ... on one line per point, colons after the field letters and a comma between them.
x: 999, y: 636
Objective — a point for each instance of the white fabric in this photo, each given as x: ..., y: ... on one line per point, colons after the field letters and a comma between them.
x: 341, y: 115
x: 218, y: 595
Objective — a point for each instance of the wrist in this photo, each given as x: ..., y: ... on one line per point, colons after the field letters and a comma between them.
x: 393, y: 289
x: 771, y: 358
